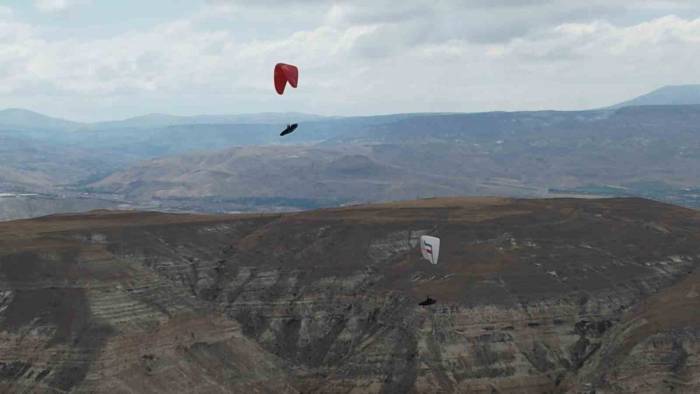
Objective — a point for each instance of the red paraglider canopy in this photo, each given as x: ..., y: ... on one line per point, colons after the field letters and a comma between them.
x: 285, y: 73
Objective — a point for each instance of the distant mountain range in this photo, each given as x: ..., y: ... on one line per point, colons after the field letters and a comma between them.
x: 26, y: 119
x: 667, y: 95
x: 17, y: 118
x: 239, y: 162
x: 164, y: 120
x: 650, y: 150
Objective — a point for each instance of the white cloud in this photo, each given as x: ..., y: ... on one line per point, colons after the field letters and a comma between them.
x: 5, y: 12
x: 412, y: 57
x: 57, y: 5
x: 606, y: 42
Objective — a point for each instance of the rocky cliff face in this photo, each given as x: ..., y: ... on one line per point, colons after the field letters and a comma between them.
x: 533, y: 296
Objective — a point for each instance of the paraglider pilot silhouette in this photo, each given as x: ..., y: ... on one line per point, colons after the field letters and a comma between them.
x: 290, y: 128
x: 286, y: 73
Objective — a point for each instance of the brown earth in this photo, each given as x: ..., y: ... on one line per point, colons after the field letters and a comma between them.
x: 557, y: 295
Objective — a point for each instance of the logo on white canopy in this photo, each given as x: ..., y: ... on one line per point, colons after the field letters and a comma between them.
x: 430, y: 248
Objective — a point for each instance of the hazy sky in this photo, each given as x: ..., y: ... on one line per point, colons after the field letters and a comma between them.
x: 107, y: 59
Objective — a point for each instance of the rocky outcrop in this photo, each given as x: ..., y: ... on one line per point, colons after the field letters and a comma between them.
x: 533, y: 296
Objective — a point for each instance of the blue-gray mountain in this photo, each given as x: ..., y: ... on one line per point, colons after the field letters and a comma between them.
x: 649, y: 151
x: 667, y: 95
x: 240, y: 163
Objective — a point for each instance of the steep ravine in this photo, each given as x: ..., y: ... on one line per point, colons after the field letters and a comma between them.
x: 533, y: 296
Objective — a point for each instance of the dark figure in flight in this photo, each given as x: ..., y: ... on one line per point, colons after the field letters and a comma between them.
x: 290, y: 128
x: 428, y: 301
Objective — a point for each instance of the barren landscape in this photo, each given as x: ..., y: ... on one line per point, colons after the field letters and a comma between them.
x: 553, y: 295
x: 349, y: 197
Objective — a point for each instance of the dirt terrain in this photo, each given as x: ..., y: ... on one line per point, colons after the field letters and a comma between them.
x: 558, y: 295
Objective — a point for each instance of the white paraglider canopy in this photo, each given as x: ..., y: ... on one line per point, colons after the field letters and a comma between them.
x: 430, y: 248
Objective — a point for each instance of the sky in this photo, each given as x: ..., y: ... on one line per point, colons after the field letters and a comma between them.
x: 92, y: 60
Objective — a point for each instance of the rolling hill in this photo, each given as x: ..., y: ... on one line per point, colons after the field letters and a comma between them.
x: 308, y: 176
x: 653, y: 151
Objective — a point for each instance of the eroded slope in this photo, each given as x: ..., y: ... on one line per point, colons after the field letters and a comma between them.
x: 533, y: 295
